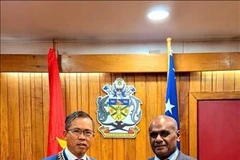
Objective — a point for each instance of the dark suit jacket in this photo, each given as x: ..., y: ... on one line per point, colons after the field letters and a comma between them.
x: 55, y: 157
x: 180, y: 156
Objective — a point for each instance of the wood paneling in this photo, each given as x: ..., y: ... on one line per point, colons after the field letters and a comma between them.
x: 183, y: 93
x: 4, y: 128
x: 24, y: 109
x: 25, y: 97
x: 14, y: 116
x: 25, y: 116
x: 123, y: 63
x: 142, y: 143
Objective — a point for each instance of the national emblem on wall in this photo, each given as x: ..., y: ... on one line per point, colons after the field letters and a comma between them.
x: 119, y: 111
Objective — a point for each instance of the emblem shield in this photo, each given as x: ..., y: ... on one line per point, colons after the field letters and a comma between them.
x: 119, y: 111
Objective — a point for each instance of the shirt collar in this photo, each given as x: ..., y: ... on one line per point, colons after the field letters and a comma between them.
x: 174, y: 155
x: 70, y: 156
x: 171, y: 157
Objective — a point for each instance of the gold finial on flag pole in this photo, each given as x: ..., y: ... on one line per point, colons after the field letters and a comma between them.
x: 55, y: 46
x: 169, y: 40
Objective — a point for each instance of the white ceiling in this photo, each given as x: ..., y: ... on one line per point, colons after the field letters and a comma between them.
x: 118, y: 20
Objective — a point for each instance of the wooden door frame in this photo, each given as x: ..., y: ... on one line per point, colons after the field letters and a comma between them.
x: 194, y: 97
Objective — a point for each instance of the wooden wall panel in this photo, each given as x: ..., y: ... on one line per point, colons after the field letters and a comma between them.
x: 228, y: 81
x: 71, y: 99
x: 25, y: 116
x: 225, y: 85
x: 142, y: 143
x: 195, y: 81
x: 24, y: 109
x: 14, y: 115
x: 85, y: 91
x: 183, y: 93
x: 218, y: 81
x: 206, y: 82
x: 94, y: 92
x: 130, y: 63
x: 105, y: 79
x: 4, y: 136
x: 129, y: 144
x: 38, y: 88
x: 237, y: 81
x: 45, y: 97
x: 79, y: 92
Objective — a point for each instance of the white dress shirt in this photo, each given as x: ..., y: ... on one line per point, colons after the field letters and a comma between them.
x: 70, y: 156
x: 172, y: 157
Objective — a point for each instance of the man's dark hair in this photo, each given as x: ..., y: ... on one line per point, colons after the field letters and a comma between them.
x: 74, y: 115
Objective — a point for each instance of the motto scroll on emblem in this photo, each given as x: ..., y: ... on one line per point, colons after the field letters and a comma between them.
x: 119, y: 111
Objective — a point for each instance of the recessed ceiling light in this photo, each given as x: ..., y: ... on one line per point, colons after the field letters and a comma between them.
x: 158, y: 15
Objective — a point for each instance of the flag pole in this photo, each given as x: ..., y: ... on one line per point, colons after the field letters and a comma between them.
x: 169, y: 41
x: 169, y: 50
x: 55, y: 43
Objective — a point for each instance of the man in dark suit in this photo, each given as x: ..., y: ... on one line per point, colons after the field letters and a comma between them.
x: 164, y: 134
x: 79, y: 133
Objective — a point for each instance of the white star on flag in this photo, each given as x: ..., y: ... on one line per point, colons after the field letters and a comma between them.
x: 169, y: 106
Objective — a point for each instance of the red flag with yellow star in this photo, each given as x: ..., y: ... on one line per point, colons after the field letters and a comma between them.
x: 56, y: 111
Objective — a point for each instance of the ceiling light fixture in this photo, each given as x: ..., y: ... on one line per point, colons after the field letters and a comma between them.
x: 158, y: 15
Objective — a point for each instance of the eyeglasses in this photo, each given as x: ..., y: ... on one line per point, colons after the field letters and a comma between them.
x: 77, y: 132
x: 162, y: 134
